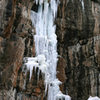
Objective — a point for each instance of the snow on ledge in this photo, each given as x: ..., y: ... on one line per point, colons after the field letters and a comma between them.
x: 93, y: 98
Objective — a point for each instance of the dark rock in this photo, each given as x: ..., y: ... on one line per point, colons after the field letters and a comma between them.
x: 78, y: 32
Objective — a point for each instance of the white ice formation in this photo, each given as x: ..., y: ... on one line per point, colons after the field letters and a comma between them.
x: 46, y: 47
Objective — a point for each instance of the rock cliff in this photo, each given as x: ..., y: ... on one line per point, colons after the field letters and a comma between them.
x: 78, y: 34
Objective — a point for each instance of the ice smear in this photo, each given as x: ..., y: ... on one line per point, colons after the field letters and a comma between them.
x: 34, y: 18
x: 94, y: 98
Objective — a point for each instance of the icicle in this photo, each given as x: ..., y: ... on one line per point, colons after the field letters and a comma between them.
x: 37, y: 62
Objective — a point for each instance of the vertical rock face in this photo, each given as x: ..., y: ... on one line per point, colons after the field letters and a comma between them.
x: 78, y: 32
x: 16, y: 41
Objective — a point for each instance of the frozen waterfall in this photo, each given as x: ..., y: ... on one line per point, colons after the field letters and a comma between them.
x: 46, y: 47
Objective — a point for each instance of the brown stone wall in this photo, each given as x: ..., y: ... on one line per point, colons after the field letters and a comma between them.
x: 78, y: 34
x: 16, y: 42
